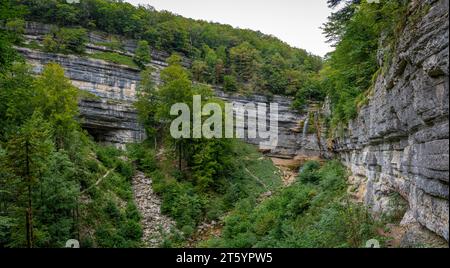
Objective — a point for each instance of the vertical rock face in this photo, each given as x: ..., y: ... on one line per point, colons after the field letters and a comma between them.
x: 399, y: 143
x: 109, y: 116
x: 292, y: 141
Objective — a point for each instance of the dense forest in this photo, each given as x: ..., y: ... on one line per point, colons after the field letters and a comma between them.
x: 221, y: 54
x: 50, y: 167
x: 350, y: 71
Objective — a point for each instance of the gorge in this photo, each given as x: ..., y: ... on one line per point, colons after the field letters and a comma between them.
x: 397, y: 144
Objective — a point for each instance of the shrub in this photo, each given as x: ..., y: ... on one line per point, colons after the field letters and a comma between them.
x: 131, y: 230
x: 187, y: 230
x: 333, y: 177
x: 308, y: 173
x: 265, y: 222
x: 114, y: 44
x: 17, y: 28
x: 229, y: 83
x: 125, y: 169
x: 108, y: 156
x: 112, y: 211
x: 142, y: 54
x: 302, y: 215
x: 66, y: 40
x: 132, y: 213
x: 143, y: 156
x: 179, y: 200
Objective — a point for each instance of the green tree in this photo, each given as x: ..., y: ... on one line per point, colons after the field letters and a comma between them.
x: 230, y: 83
x: 57, y: 99
x: 27, y: 154
x: 8, y: 54
x: 147, y: 102
x: 199, y: 70
x: 66, y: 40
x: 66, y: 14
x: 219, y: 72
x: 55, y: 216
x: 349, y: 69
x: 142, y: 55
x: 294, y: 80
x: 9, y: 13
x: 312, y: 89
x: 16, y: 98
x: 172, y: 36
x: 211, y: 60
x: 243, y: 61
x: 176, y: 88
x: 210, y: 161
x: 16, y: 29
x: 273, y: 73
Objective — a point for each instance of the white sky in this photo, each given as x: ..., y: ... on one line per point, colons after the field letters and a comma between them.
x: 297, y: 22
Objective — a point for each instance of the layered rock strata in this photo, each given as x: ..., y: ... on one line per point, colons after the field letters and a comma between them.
x: 399, y: 143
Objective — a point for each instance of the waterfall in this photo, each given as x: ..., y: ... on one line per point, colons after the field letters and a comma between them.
x: 305, y: 125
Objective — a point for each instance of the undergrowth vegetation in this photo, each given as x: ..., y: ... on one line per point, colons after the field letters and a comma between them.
x: 312, y: 213
x: 188, y: 205
x: 115, y: 57
x: 56, y: 183
x: 110, y: 211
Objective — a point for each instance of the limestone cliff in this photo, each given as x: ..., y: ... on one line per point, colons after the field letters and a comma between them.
x: 111, y: 117
x: 399, y: 143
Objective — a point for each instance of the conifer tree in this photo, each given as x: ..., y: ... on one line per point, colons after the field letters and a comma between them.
x: 27, y: 154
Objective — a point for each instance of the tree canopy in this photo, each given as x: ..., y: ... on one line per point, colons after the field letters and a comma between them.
x: 217, y: 49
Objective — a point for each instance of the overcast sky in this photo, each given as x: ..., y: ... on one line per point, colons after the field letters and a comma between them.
x: 296, y: 22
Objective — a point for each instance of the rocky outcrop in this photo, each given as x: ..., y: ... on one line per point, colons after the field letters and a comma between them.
x: 292, y: 140
x: 399, y: 143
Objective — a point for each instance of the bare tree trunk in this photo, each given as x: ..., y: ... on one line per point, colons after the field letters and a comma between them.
x: 29, y: 217
x: 179, y: 156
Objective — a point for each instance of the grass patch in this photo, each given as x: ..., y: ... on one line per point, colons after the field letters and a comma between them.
x: 114, y: 45
x: 86, y: 95
x: 32, y: 45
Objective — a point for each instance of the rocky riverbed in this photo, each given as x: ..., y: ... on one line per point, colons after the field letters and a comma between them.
x: 149, y: 205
